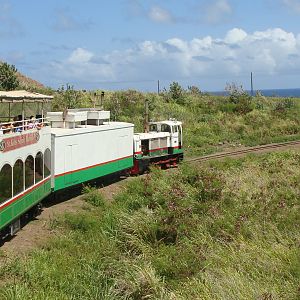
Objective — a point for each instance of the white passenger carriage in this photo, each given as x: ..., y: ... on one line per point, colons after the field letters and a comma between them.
x: 25, y: 154
x: 82, y: 152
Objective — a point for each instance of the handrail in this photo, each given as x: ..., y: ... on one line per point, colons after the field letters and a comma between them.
x: 27, y: 124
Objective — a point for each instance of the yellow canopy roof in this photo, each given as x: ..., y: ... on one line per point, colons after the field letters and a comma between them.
x: 23, y: 96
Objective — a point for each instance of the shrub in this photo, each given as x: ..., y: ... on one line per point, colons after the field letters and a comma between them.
x: 240, y: 98
x: 8, y: 77
x: 93, y: 196
x: 283, y: 105
x: 68, y: 98
x: 177, y: 93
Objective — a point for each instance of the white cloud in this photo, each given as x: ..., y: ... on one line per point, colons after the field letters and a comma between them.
x: 217, y: 11
x: 235, y: 35
x: 294, y: 5
x: 160, y: 15
x: 80, y: 56
x: 272, y: 51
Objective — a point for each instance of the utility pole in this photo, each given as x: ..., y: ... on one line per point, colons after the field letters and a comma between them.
x: 101, y: 99
x: 158, y: 90
x: 251, y: 84
x: 146, y: 117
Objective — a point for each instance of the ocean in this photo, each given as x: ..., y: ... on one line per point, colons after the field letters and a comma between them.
x: 270, y: 93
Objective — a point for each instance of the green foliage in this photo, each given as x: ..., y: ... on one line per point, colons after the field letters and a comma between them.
x: 93, y: 196
x: 176, y: 93
x: 68, y: 98
x: 8, y: 77
x: 194, y: 90
x: 240, y: 98
x: 283, y: 105
x: 211, y: 123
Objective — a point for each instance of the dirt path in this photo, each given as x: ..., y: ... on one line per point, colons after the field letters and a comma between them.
x: 38, y: 231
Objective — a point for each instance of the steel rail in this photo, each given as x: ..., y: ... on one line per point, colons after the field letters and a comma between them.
x: 243, y: 151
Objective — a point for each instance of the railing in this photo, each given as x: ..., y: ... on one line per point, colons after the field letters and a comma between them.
x: 22, y: 125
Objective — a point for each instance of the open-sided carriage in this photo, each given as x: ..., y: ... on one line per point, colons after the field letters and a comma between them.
x: 25, y: 160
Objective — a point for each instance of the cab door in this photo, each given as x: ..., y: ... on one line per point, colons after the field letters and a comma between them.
x: 179, y: 136
x: 174, y: 137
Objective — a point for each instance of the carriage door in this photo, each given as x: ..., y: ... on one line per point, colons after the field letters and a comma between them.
x: 71, y: 158
x: 179, y: 136
x: 175, y: 143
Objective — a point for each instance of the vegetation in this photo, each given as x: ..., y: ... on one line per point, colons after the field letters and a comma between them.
x: 67, y: 98
x: 225, y: 230
x: 212, y: 123
x: 8, y: 77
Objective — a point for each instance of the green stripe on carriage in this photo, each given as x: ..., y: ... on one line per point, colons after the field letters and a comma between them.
x: 177, y: 151
x: 158, y: 152
x: 80, y: 176
x: 24, y: 203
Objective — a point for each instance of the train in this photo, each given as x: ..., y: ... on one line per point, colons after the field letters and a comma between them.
x: 52, y: 152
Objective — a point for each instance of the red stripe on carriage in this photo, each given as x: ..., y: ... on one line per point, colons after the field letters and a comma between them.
x: 158, y: 149
x: 93, y: 166
x: 24, y: 193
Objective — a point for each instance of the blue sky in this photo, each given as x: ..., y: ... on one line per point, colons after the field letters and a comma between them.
x: 121, y: 44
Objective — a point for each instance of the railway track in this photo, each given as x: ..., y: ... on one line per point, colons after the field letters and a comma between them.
x: 256, y: 149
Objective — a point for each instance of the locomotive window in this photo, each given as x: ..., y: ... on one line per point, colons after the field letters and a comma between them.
x: 165, y: 128
x: 175, y: 128
x: 47, y: 162
x: 153, y: 127
x: 18, y: 177
x: 39, y: 164
x: 29, y: 172
x: 5, y: 183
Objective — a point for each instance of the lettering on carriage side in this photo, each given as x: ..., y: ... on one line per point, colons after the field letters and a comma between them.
x: 16, y: 142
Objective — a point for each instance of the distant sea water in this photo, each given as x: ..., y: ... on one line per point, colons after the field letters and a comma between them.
x: 270, y: 93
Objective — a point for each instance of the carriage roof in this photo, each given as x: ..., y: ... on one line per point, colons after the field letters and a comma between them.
x: 23, y: 96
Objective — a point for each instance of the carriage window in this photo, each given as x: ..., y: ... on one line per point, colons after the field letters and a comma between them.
x: 153, y: 127
x: 39, y: 165
x: 47, y: 163
x: 29, y: 172
x: 18, y: 177
x: 165, y: 128
x: 5, y: 183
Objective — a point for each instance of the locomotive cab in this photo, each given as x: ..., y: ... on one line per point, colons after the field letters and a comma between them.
x: 174, y: 128
x: 162, y: 145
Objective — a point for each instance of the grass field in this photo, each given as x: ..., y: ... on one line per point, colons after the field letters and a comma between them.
x: 224, y: 230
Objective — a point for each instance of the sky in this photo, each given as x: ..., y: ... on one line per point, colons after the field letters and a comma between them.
x: 122, y: 44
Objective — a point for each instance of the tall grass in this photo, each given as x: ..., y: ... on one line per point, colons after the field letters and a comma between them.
x: 225, y: 230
